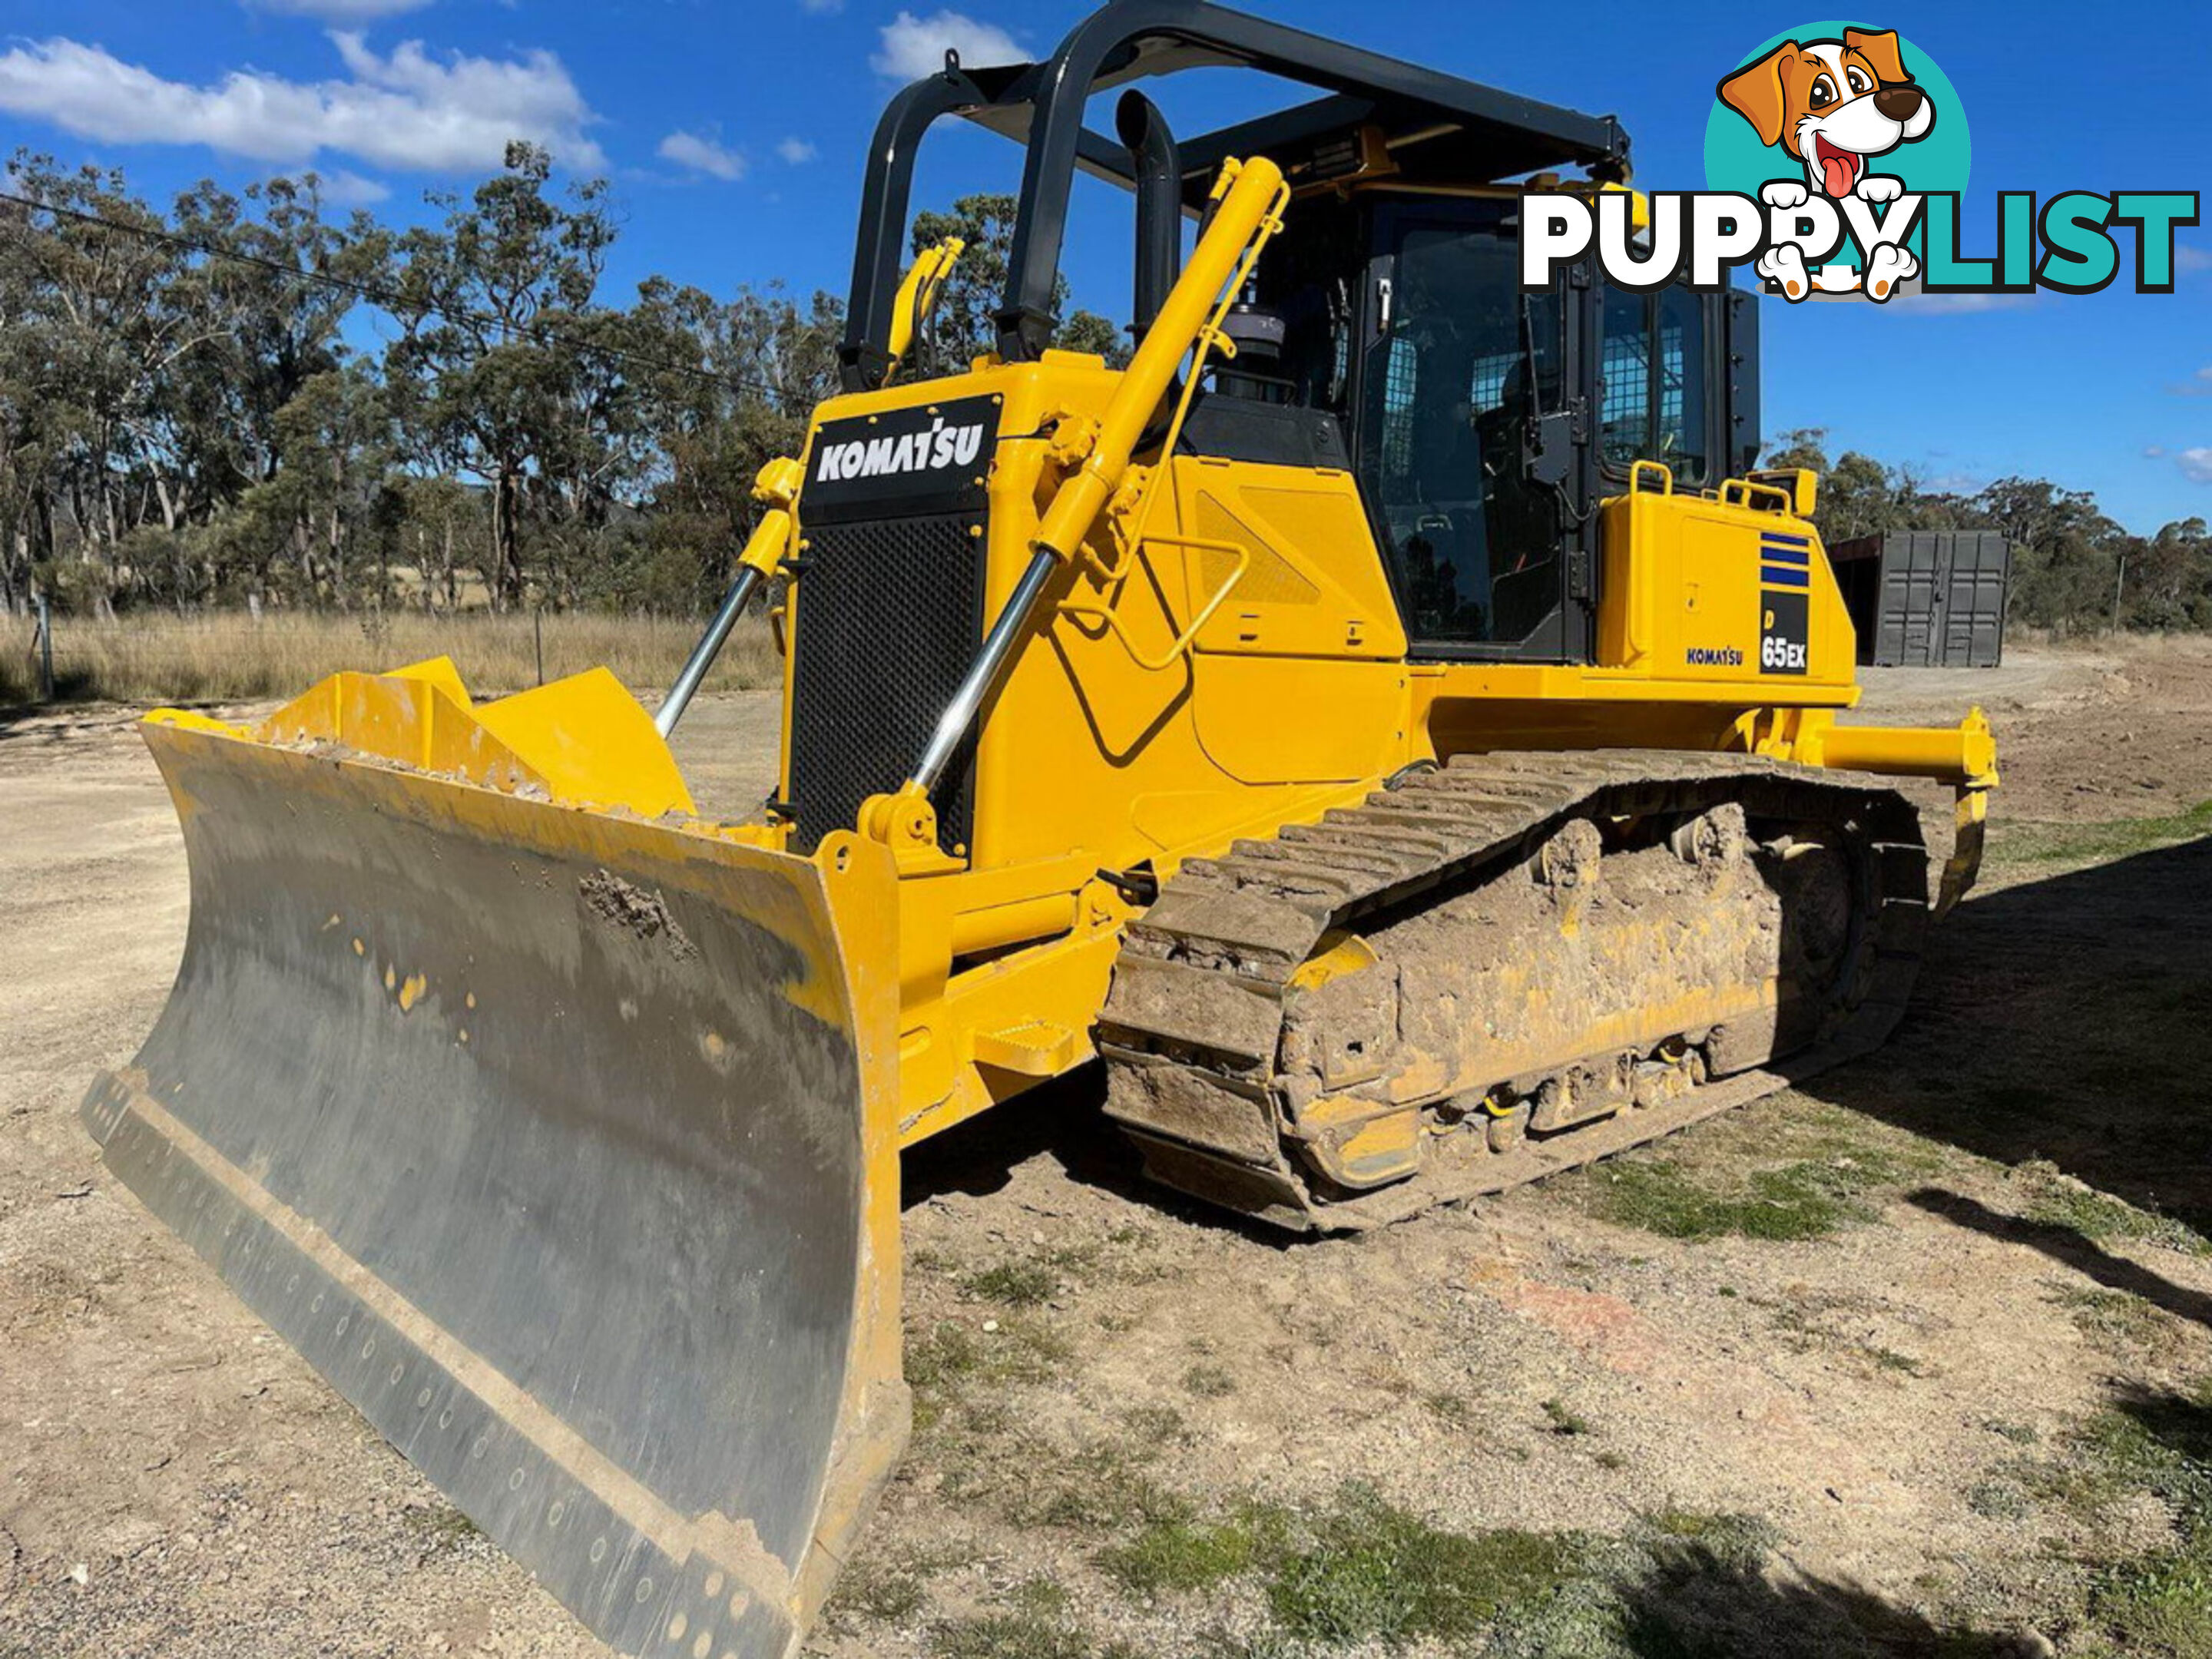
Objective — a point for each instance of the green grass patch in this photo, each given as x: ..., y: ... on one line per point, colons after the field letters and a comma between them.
x: 943, y: 1355
x: 1449, y: 1409
x: 1358, y: 1570
x: 2160, y: 1604
x: 441, y: 1524
x: 1184, y: 1554
x: 1010, y: 1636
x: 1031, y: 1280
x: 2057, y: 1201
x: 1157, y: 1425
x: 2029, y: 842
x: 949, y: 1356
x: 1564, y: 1419
x: 2160, y: 1444
x: 1736, y: 1542
x: 886, y: 1592
x: 2116, y: 1316
x: 1036, y: 1623
x: 2155, y: 1604
x: 1998, y: 1500
x: 1889, y: 1359
x: 1109, y: 1487
x: 1209, y: 1382
x: 1807, y: 1320
x: 1796, y: 1170
x: 1370, y: 1572
x: 1015, y: 1283
x: 1678, y: 1199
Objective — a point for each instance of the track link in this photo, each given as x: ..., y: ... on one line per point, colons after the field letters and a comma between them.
x: 1258, y: 1056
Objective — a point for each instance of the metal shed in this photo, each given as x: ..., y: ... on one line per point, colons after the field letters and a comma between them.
x: 1927, y: 599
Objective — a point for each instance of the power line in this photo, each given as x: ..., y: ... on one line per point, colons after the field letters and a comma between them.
x: 388, y: 300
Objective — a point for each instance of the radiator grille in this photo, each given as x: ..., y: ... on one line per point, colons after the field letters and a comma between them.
x: 888, y: 618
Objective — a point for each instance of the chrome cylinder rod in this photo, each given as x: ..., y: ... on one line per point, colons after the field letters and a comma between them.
x: 998, y: 646
x: 703, y: 654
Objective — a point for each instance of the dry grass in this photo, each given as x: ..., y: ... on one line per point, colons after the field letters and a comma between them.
x: 231, y: 658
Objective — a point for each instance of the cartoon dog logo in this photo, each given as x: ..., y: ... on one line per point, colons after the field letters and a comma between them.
x: 1832, y: 106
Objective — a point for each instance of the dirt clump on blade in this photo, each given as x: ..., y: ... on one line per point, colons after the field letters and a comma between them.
x: 631, y: 908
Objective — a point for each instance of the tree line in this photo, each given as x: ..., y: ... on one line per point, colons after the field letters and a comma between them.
x: 2075, y: 570
x: 248, y: 400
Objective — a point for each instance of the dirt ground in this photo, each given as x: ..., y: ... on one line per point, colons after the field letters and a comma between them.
x: 1914, y: 1360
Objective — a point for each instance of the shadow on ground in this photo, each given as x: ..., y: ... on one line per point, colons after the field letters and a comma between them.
x: 2067, y: 1018
x: 1696, y: 1604
x: 1063, y: 1118
x: 2067, y: 1246
x: 2179, y: 1424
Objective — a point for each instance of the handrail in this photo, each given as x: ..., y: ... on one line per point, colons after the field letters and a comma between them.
x: 1110, y: 613
x: 1748, y: 489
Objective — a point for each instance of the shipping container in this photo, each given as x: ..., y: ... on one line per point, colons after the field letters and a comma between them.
x: 1926, y: 598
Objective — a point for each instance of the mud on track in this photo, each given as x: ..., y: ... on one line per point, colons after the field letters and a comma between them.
x: 1091, y: 1357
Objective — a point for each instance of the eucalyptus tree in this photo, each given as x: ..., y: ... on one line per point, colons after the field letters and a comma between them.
x: 477, y: 302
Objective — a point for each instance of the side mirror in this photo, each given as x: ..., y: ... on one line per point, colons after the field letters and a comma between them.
x: 1801, y: 484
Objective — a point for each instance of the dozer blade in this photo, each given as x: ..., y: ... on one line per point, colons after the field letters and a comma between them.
x: 549, y: 1135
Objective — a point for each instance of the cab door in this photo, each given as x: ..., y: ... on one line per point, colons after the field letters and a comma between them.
x: 1471, y: 438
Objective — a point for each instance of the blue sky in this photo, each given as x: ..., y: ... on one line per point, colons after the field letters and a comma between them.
x: 733, y: 134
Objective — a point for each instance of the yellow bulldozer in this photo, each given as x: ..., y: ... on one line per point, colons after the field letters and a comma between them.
x: 1389, y: 726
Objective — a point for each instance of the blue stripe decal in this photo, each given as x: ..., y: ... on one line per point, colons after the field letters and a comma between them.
x: 1786, y: 554
x: 1787, y: 541
x: 1777, y: 576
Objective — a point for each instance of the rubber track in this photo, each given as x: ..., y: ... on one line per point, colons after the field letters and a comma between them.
x: 1200, y: 982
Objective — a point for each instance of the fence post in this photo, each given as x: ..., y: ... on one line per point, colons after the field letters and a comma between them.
x: 45, y: 649
x: 538, y: 632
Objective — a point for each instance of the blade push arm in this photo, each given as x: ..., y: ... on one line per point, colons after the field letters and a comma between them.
x: 1248, y: 200
x: 777, y: 487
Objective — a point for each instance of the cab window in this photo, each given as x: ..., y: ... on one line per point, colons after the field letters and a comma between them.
x: 1464, y: 364
x: 1653, y: 372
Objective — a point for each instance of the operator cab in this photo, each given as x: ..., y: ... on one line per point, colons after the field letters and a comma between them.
x: 1387, y: 333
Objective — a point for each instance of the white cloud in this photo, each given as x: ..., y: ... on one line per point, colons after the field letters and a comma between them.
x: 821, y: 8
x: 2187, y: 256
x: 689, y: 150
x: 342, y: 11
x: 915, y: 47
x: 796, y: 151
x: 407, y: 110
x: 2195, y: 464
x: 344, y: 189
x: 2151, y: 451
